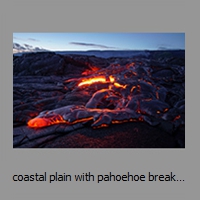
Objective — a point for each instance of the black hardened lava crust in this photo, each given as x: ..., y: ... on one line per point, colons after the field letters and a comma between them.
x: 143, y: 107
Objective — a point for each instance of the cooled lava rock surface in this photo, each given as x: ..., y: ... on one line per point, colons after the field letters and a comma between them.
x: 79, y: 101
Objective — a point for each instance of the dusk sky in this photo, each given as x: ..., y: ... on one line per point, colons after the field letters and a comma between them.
x: 23, y: 42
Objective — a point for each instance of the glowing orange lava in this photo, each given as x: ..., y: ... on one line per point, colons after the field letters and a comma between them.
x: 112, y: 79
x: 82, y: 120
x: 98, y: 79
x: 166, y: 109
x: 100, y: 126
x: 42, y: 122
x: 90, y: 71
x: 157, y: 95
x: 101, y: 79
x: 130, y: 65
x: 93, y: 80
x: 177, y: 117
x: 119, y: 85
x: 133, y: 88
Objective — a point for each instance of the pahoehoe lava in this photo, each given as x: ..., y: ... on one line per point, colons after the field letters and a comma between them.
x: 95, y: 93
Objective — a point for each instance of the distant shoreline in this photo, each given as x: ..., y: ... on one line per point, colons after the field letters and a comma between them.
x: 105, y: 53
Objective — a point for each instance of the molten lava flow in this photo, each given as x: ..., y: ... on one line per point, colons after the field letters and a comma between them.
x: 177, y: 117
x: 133, y: 88
x: 94, y: 68
x: 101, y: 79
x: 166, y: 109
x: 100, y: 126
x: 130, y: 65
x: 42, y: 122
x: 70, y: 80
x: 157, y: 95
x: 82, y: 120
x: 119, y: 85
x: 90, y: 71
x: 149, y: 82
x: 93, y: 80
x: 98, y: 79
x: 38, y: 122
x: 119, y: 121
x: 112, y: 79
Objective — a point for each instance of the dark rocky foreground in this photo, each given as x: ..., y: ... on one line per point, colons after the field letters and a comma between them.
x: 154, y: 93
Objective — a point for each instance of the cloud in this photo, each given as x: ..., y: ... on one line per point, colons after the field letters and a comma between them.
x: 32, y: 39
x: 91, y: 45
x: 28, y: 46
x: 37, y: 49
x: 17, y: 38
x: 28, y: 39
x: 18, y: 48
